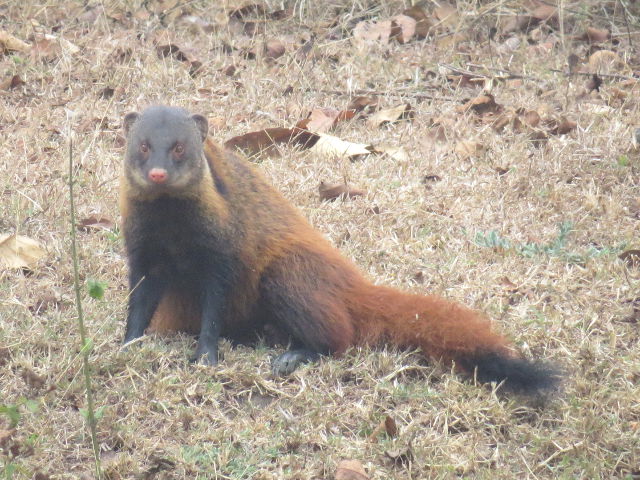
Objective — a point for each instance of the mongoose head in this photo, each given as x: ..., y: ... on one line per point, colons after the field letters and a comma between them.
x: 164, y: 150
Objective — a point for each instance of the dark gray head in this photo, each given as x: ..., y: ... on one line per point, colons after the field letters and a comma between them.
x: 164, y: 149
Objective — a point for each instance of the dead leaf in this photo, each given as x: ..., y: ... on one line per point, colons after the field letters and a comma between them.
x: 350, y: 470
x: 482, y: 105
x: 181, y: 54
x: 390, y: 115
x: 561, y: 126
x: 606, y: 61
x: 263, y: 142
x: 545, y: 13
x: 44, y: 303
x: 17, y: 251
x: 330, y: 146
x: 368, y: 32
x: 406, y: 28
x: 274, y: 48
x: 400, y: 456
x: 469, y: 148
x: 342, y: 191
x: 596, y: 35
x: 320, y: 120
x: 631, y: 258
x: 397, y: 153
x: 447, y: 15
x: 95, y: 223
x: 11, y: 82
x: 5, y: 436
x: 363, y: 104
x: 423, y: 21
x: 32, y: 379
x: 9, y: 43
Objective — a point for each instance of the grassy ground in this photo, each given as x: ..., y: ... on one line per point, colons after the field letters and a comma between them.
x: 526, y: 231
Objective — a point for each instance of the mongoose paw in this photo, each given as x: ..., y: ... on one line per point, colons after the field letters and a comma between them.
x: 290, y: 360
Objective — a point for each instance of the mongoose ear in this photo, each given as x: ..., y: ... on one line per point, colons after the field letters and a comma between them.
x: 202, y: 124
x: 129, y: 120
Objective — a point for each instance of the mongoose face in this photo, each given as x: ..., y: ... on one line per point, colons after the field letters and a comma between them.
x: 164, y: 150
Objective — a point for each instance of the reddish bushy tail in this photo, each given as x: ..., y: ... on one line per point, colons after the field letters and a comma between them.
x: 446, y: 331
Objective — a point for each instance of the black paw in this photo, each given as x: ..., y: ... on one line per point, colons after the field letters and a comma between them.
x: 205, y: 356
x: 290, y: 360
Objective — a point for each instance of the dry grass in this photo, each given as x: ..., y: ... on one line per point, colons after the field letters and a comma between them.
x: 165, y: 418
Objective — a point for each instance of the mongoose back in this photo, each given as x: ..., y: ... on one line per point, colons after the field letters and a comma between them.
x: 213, y: 249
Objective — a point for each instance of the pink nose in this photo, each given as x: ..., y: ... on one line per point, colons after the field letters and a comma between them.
x: 158, y: 175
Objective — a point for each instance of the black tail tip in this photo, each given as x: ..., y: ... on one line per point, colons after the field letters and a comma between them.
x: 518, y: 375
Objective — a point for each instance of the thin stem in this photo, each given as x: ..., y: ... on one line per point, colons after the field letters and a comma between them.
x: 86, y: 348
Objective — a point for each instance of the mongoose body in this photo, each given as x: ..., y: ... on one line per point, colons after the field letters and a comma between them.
x: 213, y: 249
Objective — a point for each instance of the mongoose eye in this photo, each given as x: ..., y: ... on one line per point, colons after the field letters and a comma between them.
x: 179, y: 149
x: 144, y: 147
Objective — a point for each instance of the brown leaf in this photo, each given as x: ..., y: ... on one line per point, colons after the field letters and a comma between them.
x: 9, y: 43
x: 423, y: 22
x: 43, y: 303
x: 482, y: 105
x: 95, y: 223
x: 252, y: 9
x: 12, y: 82
x: 447, y: 15
x: 363, y: 104
x: 264, y: 141
x: 5, y: 436
x: 368, y: 32
x: 560, y: 127
x: 21, y: 252
x: 5, y: 356
x: 350, y: 470
x: 596, y: 35
x: 606, y: 61
x: 545, y: 13
x: 229, y: 70
x: 400, y: 457
x: 532, y: 118
x: 274, y: 48
x: 406, y: 28
x: 342, y: 191
x: 469, y: 148
x: 390, y: 115
x: 320, y: 120
x: 631, y: 258
x: 181, y: 54
x: 32, y: 379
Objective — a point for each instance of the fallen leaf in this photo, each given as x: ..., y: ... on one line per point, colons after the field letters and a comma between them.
x: 560, y: 127
x: 400, y: 456
x: 274, y: 48
x: 95, y: 223
x: 390, y: 115
x: 330, y: 146
x: 363, y: 104
x: 397, y: 153
x: 320, y: 120
x: 447, y: 15
x: 631, y: 258
x: 545, y: 13
x: 9, y: 43
x: 5, y: 436
x: 181, y: 54
x: 263, y: 142
x: 423, y: 21
x: 481, y: 105
x: 11, y: 82
x: 596, y: 35
x: 367, y: 32
x: 17, y: 251
x: 350, y: 470
x: 406, y: 28
x: 342, y: 191
x: 32, y: 379
x: 606, y: 61
x: 469, y: 148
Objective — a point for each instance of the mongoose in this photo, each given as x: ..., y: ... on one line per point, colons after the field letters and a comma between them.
x: 213, y: 249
